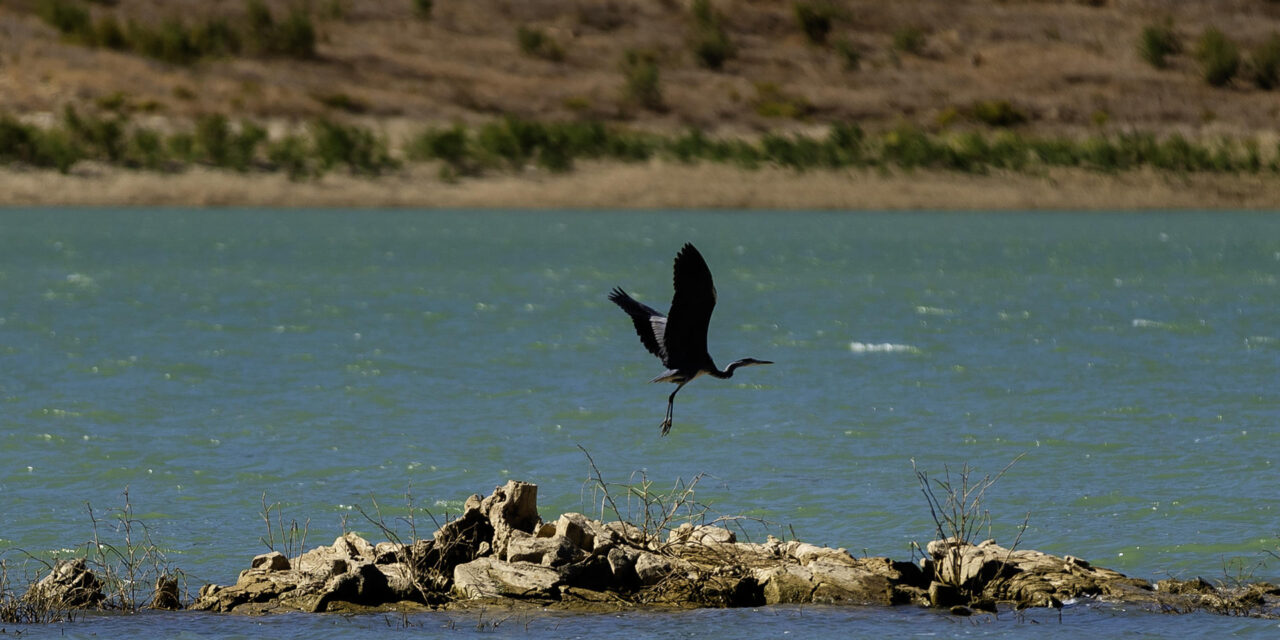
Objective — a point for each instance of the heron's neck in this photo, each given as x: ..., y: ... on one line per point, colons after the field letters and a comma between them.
x: 728, y: 371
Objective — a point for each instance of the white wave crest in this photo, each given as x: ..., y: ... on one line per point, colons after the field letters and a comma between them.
x: 933, y: 311
x: 883, y: 347
x: 1151, y: 324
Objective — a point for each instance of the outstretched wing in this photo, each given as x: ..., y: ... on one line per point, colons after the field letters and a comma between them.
x: 650, y: 324
x: 691, y: 307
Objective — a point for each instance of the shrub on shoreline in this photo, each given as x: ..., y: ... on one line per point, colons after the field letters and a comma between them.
x: 513, y: 144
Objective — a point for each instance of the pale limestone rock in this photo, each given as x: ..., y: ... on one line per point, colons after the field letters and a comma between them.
x: 512, y: 509
x: 549, y: 552
x: 493, y: 578
x: 577, y: 529
x: 702, y: 534
x: 273, y: 561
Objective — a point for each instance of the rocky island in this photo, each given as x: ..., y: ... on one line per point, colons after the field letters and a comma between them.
x: 500, y: 552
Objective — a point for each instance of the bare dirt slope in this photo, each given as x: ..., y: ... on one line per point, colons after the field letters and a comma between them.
x: 1071, y: 66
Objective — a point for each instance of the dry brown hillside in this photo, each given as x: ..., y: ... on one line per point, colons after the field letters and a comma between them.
x: 1069, y: 66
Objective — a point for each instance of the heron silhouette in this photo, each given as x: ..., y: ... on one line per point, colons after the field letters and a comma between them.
x: 679, y: 338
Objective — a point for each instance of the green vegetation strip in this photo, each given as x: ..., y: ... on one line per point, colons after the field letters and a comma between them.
x: 512, y: 144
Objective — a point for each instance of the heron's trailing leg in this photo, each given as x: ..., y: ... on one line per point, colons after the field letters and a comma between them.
x: 671, y: 403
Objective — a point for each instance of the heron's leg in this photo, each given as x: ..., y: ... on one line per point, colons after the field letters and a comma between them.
x: 671, y: 403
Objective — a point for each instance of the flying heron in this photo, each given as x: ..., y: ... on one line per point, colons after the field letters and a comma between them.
x: 679, y: 338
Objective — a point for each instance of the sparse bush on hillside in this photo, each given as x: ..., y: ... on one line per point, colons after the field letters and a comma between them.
x: 997, y: 113
x: 215, y: 37
x: 1264, y: 63
x: 342, y: 102
x: 535, y: 42
x: 1157, y: 42
x: 293, y: 37
x: 70, y: 18
x: 1218, y: 56
x: 422, y: 8
x: 909, y: 39
x: 848, y: 53
x: 815, y: 18
x: 710, y: 42
x: 772, y: 102
x: 641, y: 86
x: 108, y: 33
x: 175, y: 41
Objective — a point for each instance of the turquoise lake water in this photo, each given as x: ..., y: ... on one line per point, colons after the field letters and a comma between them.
x: 328, y: 360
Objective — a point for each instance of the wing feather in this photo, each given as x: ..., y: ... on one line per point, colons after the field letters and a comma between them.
x: 650, y: 325
x: 691, y: 307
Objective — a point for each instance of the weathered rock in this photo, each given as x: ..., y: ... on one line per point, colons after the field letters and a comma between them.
x: 1197, y: 585
x: 347, y: 550
x: 786, y: 584
x: 824, y: 581
x: 166, y: 594
x: 618, y: 533
x: 399, y: 581
x: 273, y: 561
x: 69, y: 585
x: 389, y: 553
x: 493, y: 578
x: 721, y: 588
x: 703, y: 534
x: 511, y: 508
x: 578, y: 529
x: 457, y: 542
x: 652, y: 568
x: 280, y: 588
x: 366, y: 585
x: 593, y: 572
x: 550, y: 552
x: 945, y: 596
x: 622, y: 564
